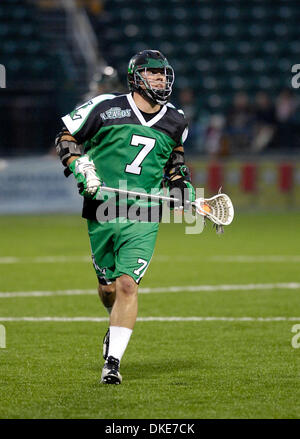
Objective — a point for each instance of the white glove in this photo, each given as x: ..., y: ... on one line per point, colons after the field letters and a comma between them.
x: 86, y: 175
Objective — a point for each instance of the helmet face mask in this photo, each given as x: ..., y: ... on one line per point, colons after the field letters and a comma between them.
x: 146, y: 64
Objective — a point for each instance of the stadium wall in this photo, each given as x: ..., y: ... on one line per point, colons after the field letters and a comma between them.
x: 37, y: 185
x: 252, y: 183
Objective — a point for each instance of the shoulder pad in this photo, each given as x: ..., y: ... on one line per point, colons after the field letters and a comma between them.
x: 77, y: 117
x: 173, y: 106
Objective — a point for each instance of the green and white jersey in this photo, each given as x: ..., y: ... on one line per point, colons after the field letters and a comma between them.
x: 123, y: 145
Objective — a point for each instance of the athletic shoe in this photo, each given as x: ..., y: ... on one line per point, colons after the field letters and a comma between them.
x: 110, y: 372
x: 106, y: 344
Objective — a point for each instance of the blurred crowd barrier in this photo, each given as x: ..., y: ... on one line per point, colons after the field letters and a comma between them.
x: 38, y: 185
x: 264, y: 184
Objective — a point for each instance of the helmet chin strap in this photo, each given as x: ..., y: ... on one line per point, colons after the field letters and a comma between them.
x: 147, y: 94
x: 150, y: 99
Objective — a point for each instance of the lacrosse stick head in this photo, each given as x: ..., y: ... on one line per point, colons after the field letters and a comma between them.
x: 218, y: 209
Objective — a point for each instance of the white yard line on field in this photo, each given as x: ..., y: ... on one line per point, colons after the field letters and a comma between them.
x: 234, y: 287
x: 256, y: 259
x: 4, y: 295
x: 157, y: 258
x: 174, y: 289
x: 152, y: 319
x: 44, y: 259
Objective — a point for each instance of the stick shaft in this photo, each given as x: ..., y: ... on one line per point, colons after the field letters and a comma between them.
x: 140, y: 194
x: 158, y: 197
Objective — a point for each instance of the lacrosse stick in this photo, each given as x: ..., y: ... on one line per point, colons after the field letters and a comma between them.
x: 218, y: 209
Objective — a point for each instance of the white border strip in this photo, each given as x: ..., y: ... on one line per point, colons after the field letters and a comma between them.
x: 152, y: 319
x: 174, y: 289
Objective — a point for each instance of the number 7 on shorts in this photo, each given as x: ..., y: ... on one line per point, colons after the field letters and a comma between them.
x: 142, y: 267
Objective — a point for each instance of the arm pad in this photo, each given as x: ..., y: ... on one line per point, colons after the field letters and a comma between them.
x: 66, y: 146
x: 175, y: 166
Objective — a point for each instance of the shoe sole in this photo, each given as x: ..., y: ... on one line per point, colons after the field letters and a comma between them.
x: 111, y: 379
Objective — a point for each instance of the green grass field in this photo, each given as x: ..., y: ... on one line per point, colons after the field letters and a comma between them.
x: 218, y: 368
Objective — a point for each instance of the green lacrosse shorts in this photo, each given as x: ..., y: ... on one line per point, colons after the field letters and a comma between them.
x: 121, y: 247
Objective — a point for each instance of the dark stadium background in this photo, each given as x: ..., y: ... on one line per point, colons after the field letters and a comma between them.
x: 233, y: 64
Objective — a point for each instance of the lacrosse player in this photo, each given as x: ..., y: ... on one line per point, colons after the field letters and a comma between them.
x: 137, y: 138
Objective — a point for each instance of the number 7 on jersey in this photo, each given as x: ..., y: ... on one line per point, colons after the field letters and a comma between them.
x: 148, y: 144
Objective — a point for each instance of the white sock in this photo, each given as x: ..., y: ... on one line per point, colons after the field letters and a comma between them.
x: 118, y: 341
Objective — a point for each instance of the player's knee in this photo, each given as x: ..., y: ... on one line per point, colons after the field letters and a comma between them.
x: 107, y: 293
x: 107, y: 289
x: 126, y: 285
